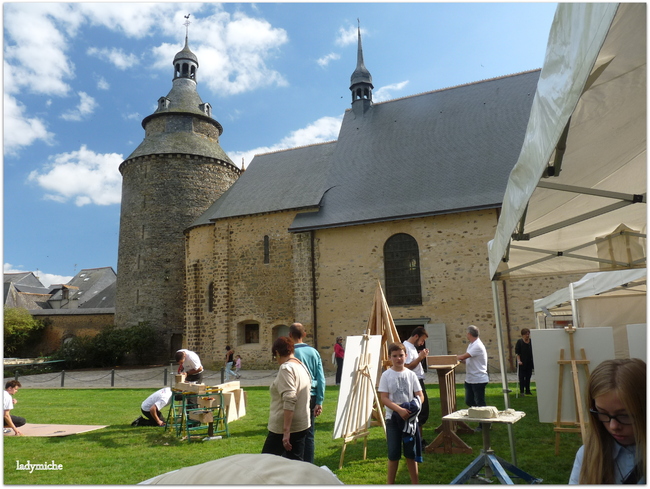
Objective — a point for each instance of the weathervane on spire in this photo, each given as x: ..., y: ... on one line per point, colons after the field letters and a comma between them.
x: 187, y: 24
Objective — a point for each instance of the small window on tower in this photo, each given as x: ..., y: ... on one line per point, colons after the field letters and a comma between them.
x: 211, y: 297
x: 266, y: 249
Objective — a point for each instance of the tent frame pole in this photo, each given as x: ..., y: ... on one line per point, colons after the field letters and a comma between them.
x: 502, y: 366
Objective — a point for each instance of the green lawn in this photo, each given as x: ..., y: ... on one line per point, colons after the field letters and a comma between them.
x: 120, y: 454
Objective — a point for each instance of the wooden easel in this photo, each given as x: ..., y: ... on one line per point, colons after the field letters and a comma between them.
x: 362, y: 385
x: 448, y: 441
x: 571, y: 427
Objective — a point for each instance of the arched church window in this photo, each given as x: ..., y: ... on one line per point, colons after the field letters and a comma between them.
x: 402, y: 271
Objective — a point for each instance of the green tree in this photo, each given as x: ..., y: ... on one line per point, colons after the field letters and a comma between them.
x: 19, y: 329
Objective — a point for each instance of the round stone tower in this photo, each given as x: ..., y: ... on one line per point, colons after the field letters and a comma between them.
x: 176, y: 173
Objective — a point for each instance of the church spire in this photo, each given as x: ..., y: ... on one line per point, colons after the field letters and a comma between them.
x: 361, y: 80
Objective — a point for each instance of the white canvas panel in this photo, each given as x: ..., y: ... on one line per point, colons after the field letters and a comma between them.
x: 637, y: 337
x: 437, y: 340
x: 359, y: 418
x: 598, y: 344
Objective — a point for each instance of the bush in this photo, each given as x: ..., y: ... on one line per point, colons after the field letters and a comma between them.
x: 109, y: 347
x: 20, y: 328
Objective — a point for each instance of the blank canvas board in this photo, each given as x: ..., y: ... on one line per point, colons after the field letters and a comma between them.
x: 637, y: 337
x: 354, y: 346
x: 437, y: 340
x: 598, y: 344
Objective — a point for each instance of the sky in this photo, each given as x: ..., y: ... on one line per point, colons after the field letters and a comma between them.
x: 80, y: 77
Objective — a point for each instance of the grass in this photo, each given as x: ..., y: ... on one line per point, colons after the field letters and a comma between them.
x: 120, y: 454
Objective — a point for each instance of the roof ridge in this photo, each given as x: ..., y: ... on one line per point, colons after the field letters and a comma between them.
x: 295, y: 147
x: 458, y: 86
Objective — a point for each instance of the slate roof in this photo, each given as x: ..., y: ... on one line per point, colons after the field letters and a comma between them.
x: 26, y: 297
x: 91, y: 282
x: 102, y: 300
x: 283, y: 180
x: 23, y: 278
x: 439, y: 152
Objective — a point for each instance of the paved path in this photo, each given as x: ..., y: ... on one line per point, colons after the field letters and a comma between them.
x: 155, y: 378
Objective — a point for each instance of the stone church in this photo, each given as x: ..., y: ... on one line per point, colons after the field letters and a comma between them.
x: 407, y: 196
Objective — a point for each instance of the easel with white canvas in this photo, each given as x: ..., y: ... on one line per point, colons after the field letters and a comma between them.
x: 579, y: 425
x: 363, y: 391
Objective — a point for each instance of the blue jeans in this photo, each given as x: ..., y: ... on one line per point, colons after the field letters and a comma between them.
x: 475, y: 394
x: 229, y: 371
x: 309, y: 440
x: 395, y: 441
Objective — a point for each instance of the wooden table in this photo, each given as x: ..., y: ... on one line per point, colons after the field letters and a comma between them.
x: 448, y: 441
x: 487, y: 460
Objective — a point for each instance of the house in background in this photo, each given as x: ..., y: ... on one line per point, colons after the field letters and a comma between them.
x: 82, y: 307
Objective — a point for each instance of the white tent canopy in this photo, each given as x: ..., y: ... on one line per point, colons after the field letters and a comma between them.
x: 575, y: 201
x: 633, y: 280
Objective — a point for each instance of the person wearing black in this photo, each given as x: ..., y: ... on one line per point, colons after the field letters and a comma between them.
x: 524, y: 354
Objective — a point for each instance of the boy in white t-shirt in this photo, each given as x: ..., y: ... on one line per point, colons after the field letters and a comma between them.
x: 399, y: 386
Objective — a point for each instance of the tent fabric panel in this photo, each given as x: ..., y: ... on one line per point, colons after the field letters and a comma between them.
x: 576, y: 36
x: 589, y: 285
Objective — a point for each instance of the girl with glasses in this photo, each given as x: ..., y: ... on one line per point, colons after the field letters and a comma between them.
x: 614, y: 446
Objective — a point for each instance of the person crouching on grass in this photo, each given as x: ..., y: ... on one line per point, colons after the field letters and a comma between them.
x: 400, y: 391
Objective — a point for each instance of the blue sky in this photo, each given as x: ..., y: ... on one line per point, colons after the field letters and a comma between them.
x: 79, y: 78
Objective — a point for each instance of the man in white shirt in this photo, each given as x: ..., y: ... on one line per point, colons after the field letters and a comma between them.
x: 151, y: 408
x: 414, y: 362
x: 190, y: 363
x: 476, y: 377
x: 11, y: 422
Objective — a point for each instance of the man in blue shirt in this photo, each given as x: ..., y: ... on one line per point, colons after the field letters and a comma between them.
x: 311, y: 358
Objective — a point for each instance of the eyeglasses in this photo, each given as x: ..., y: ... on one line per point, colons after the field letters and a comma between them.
x: 606, y: 418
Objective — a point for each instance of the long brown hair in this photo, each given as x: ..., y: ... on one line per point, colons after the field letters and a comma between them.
x: 627, y: 379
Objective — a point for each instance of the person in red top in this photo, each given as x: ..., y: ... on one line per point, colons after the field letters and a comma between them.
x: 339, y: 352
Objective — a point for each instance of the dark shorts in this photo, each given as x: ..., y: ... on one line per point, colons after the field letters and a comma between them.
x: 395, y: 439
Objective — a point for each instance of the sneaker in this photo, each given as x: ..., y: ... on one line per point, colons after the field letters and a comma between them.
x: 6, y: 430
x: 137, y: 421
x: 478, y: 429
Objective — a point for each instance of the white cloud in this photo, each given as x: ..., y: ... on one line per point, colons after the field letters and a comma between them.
x: 83, y: 175
x: 86, y: 107
x: 20, y: 130
x: 116, y: 56
x: 102, y: 84
x: 46, y: 279
x: 323, y: 130
x: 325, y: 60
x: 386, y: 92
x: 234, y: 51
x: 348, y: 35
x: 36, y: 54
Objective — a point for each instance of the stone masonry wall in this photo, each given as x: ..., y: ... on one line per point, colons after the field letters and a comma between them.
x: 62, y: 326
x: 349, y: 261
x: 455, y: 282
x: 161, y: 197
